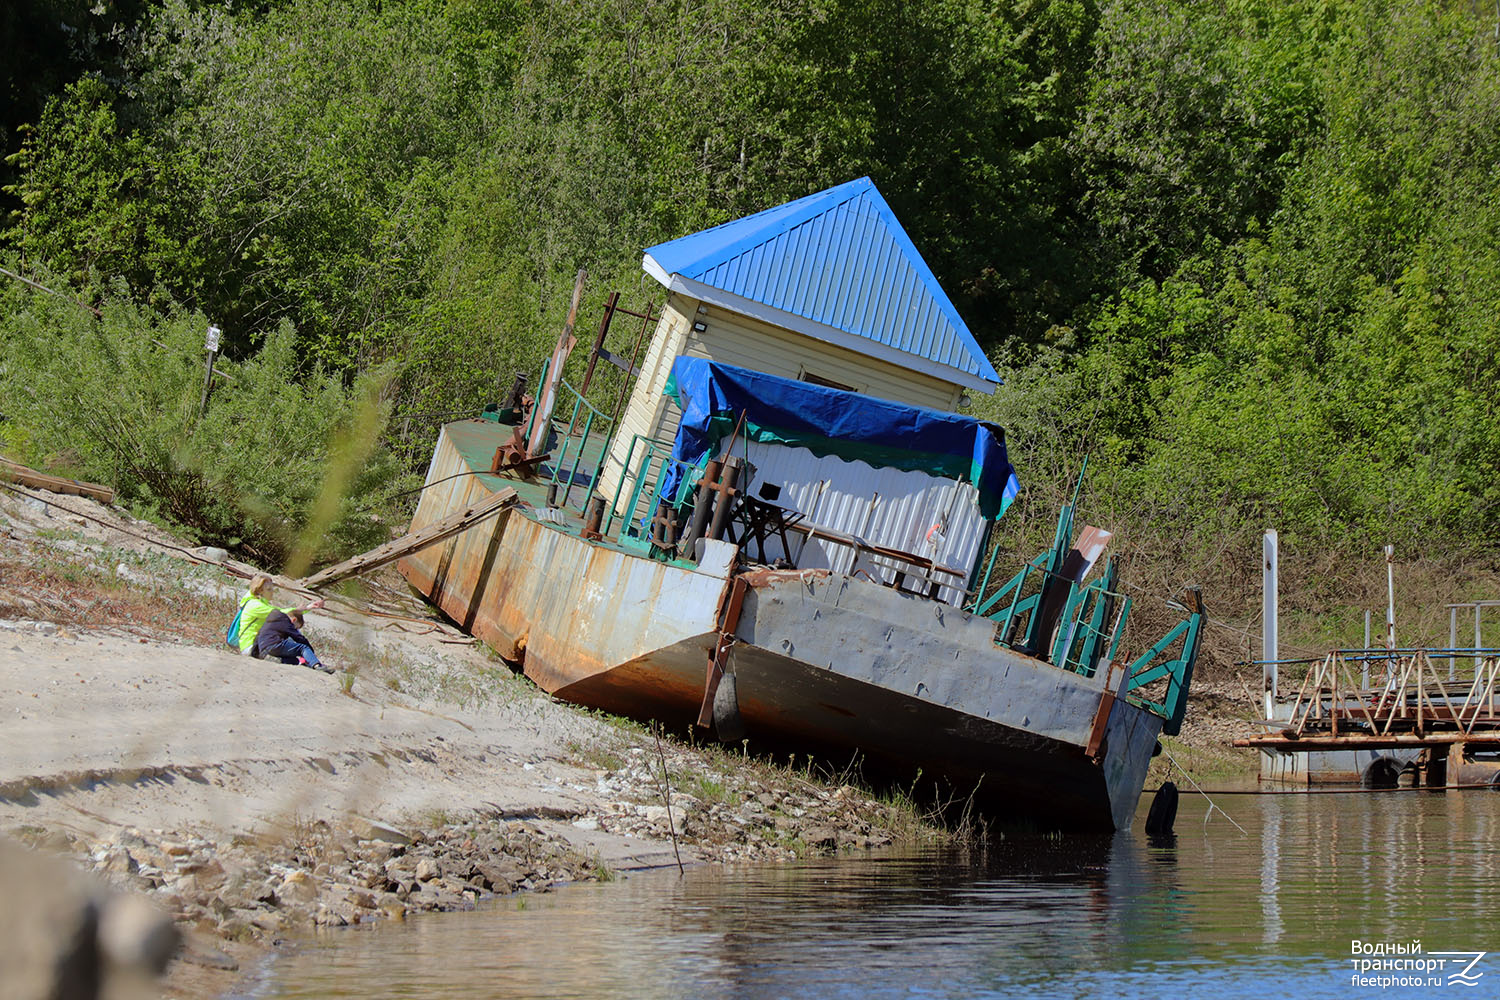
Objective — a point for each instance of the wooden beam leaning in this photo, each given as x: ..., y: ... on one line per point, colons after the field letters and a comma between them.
x: 379, y: 556
x: 16, y: 472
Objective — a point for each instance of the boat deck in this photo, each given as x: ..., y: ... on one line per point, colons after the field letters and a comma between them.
x: 561, y: 484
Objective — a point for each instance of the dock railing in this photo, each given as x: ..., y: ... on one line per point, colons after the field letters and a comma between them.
x: 1478, y: 608
x: 1378, y: 694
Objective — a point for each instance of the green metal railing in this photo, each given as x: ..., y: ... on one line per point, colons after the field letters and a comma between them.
x: 1089, y: 627
x: 645, y: 475
x: 1158, y: 664
x: 643, y: 469
x: 574, y: 446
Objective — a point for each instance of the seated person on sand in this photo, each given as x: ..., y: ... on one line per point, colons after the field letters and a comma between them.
x: 254, y: 608
x: 279, y: 637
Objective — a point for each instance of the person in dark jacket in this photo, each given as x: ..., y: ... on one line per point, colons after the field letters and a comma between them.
x: 279, y: 637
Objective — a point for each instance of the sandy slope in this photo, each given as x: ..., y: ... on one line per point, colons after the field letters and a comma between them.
x: 103, y: 731
x: 108, y: 728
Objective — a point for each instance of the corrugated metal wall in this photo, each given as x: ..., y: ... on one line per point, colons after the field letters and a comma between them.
x: 888, y: 507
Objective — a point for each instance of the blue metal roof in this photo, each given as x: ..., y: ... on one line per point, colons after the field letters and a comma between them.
x: 838, y: 258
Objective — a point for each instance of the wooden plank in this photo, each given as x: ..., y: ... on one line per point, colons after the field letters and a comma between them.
x: 15, y: 472
x: 421, y: 538
x: 1374, y: 741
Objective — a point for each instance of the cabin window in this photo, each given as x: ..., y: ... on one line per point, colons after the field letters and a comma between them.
x: 829, y: 383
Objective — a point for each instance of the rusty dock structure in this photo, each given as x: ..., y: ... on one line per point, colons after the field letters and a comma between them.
x: 1380, y: 716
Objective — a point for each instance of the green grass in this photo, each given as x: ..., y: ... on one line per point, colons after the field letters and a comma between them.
x: 706, y: 788
x: 61, y: 534
x: 1204, y: 764
x: 451, y: 680
x: 594, y: 754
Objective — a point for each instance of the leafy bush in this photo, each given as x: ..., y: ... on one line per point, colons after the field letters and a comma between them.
x: 279, y: 467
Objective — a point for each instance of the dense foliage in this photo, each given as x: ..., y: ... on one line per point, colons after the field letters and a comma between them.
x: 1244, y: 254
x: 273, y: 464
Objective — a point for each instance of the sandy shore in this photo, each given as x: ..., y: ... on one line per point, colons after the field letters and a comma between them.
x: 254, y: 802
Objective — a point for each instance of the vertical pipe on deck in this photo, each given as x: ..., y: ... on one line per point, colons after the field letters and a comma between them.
x: 703, y: 507
x: 1269, y: 631
x: 731, y: 477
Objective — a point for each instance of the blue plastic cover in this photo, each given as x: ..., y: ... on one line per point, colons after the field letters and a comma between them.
x: 881, y: 433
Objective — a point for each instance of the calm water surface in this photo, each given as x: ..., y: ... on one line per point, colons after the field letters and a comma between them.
x: 1270, y: 912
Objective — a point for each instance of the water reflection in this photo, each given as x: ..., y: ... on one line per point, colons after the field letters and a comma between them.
x: 1219, y: 913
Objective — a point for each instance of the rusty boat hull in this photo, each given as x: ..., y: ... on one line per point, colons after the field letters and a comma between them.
x: 820, y: 660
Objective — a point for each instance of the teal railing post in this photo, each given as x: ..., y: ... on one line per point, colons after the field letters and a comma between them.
x: 1104, y: 602
x: 614, y: 501
x: 562, y: 455
x: 588, y: 425
x: 1062, y: 541
x: 1178, y: 671
x: 977, y: 587
x: 531, y: 420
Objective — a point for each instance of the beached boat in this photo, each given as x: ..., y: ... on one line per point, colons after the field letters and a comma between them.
x: 795, y: 551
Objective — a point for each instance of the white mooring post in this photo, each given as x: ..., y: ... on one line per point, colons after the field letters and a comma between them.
x: 1269, y: 632
x: 1364, y: 671
x: 1452, y: 638
x: 1477, y: 645
x: 1390, y: 598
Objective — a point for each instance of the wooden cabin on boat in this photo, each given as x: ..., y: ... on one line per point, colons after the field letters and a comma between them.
x: 826, y: 289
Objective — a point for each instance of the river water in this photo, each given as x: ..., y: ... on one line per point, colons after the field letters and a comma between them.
x: 1270, y: 911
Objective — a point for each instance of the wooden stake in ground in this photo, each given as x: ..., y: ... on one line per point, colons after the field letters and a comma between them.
x: 666, y: 797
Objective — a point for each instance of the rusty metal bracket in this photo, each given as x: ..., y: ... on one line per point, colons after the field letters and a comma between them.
x: 506, y: 461
x: 729, y: 620
x: 1114, y: 677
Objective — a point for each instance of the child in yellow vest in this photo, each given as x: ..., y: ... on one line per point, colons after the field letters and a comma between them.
x: 254, y: 608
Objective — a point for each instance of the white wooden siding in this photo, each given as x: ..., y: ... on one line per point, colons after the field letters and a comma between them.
x: 648, y: 408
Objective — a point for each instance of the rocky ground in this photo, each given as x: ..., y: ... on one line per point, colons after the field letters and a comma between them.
x: 254, y: 802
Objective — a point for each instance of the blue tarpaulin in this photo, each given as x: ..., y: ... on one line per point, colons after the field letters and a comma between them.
x: 881, y: 433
